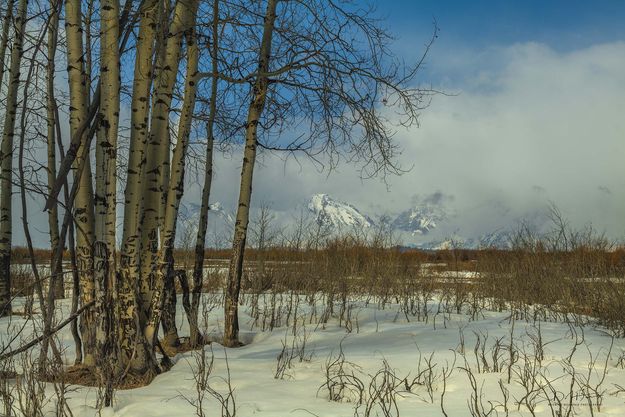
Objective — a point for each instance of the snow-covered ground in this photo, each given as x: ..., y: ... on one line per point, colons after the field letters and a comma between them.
x: 549, y: 373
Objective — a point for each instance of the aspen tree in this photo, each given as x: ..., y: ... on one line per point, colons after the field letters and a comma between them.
x: 131, y: 242
x: 4, y: 41
x: 259, y: 93
x: 321, y: 79
x: 83, y: 203
x: 157, y: 152
x: 105, y: 195
x: 56, y: 268
x: 200, y: 240
x: 6, y: 160
x: 157, y: 164
x: 174, y: 193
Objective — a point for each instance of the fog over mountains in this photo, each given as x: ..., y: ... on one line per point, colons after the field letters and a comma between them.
x: 431, y: 223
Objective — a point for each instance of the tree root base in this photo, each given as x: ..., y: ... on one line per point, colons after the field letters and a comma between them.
x: 183, y: 346
x: 87, y: 376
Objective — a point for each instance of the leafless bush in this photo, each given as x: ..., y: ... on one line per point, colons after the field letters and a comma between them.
x: 528, y: 378
x: 475, y: 403
x: 29, y: 387
x: 7, y: 387
x: 342, y: 383
x: 446, y: 373
x: 381, y: 394
x: 290, y: 352
x: 202, y: 375
x: 425, y: 377
x: 591, y: 383
x: 62, y: 389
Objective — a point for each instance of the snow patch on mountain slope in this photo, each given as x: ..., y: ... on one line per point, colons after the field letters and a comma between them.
x: 421, y: 219
x: 330, y: 212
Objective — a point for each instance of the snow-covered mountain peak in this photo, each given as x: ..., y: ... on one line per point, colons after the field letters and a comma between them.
x: 330, y: 212
x: 421, y: 219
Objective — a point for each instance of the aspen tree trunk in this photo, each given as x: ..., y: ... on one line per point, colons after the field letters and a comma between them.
x: 72, y: 254
x: 157, y: 152
x: 131, y: 242
x: 6, y: 161
x: 83, y: 203
x: 56, y: 268
x: 259, y: 93
x: 46, y: 303
x: 106, y: 156
x: 157, y: 155
x: 88, y: 53
x: 6, y: 25
x: 174, y: 195
x: 200, y: 241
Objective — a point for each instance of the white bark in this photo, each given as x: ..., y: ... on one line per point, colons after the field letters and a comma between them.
x: 131, y: 242
x: 157, y: 153
x: 83, y: 204
x: 105, y: 196
x: 175, y: 191
x: 6, y: 160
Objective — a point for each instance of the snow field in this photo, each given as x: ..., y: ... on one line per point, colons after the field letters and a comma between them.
x: 389, y: 364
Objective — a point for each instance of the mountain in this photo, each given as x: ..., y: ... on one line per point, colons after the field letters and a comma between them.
x: 429, y: 224
x: 421, y: 219
x: 337, y: 214
x: 454, y: 242
x: 495, y: 240
x: 216, y: 212
x: 218, y: 228
x: 499, y: 239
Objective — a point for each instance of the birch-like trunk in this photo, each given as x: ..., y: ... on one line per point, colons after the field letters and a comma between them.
x: 157, y: 154
x: 174, y: 195
x: 131, y: 242
x: 87, y: 19
x: 6, y: 160
x: 259, y: 93
x: 71, y: 246
x: 56, y: 268
x: 83, y: 203
x: 200, y: 241
x: 6, y: 25
x: 105, y: 195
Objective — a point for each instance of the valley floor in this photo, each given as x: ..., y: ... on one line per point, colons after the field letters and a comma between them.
x: 389, y: 364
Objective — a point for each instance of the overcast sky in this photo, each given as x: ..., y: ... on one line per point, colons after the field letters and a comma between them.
x: 536, y: 114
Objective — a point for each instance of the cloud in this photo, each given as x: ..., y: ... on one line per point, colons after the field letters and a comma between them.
x: 437, y: 198
x: 604, y: 189
x: 542, y: 117
x: 529, y: 125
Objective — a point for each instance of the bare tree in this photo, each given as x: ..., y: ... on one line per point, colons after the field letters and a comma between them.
x: 83, y: 205
x: 200, y: 240
x: 314, y: 77
x: 56, y: 270
x: 4, y: 41
x: 6, y: 160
